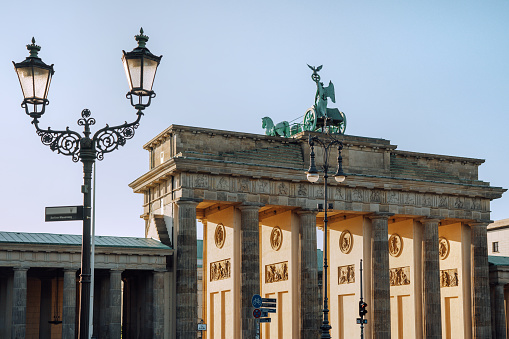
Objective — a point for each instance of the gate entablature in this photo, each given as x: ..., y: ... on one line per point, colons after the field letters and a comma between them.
x: 236, y: 167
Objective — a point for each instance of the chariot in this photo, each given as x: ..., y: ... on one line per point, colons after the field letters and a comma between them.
x: 319, y: 117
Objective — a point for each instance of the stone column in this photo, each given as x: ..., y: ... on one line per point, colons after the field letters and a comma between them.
x: 250, y: 266
x: 115, y: 311
x: 69, y: 305
x: 431, y: 281
x: 480, y: 269
x: 381, y: 288
x: 158, y: 309
x: 187, y: 278
x: 19, y: 303
x: 309, y: 297
x: 499, y: 311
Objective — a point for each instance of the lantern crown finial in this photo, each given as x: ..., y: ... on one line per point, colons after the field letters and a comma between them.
x: 33, y: 49
x: 141, y: 39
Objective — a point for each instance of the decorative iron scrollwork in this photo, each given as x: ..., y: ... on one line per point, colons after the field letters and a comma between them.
x: 109, y: 138
x: 64, y: 142
x: 105, y: 140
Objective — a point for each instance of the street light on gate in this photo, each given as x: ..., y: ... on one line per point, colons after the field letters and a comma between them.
x: 313, y: 176
x: 35, y: 77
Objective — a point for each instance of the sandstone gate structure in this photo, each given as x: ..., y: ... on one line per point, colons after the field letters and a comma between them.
x: 417, y: 220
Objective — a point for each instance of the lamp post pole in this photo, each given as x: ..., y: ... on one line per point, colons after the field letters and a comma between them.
x: 313, y: 176
x: 34, y: 76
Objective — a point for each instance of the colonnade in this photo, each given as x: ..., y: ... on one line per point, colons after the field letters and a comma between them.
x: 310, y: 308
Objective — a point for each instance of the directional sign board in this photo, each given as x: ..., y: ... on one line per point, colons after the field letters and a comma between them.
x: 64, y: 213
x: 268, y: 310
x: 269, y: 305
x: 268, y: 300
x: 202, y: 327
x: 265, y: 320
x: 256, y: 301
x: 257, y: 313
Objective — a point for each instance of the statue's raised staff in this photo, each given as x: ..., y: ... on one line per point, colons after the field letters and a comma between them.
x: 319, y: 116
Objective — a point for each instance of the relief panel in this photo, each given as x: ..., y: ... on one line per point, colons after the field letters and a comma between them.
x: 276, y: 272
x: 449, y: 278
x: 220, y: 270
x: 400, y: 276
x: 346, y: 274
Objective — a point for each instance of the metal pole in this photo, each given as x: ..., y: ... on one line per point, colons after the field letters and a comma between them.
x: 87, y: 157
x: 325, y: 325
x: 92, y: 258
x: 362, y: 317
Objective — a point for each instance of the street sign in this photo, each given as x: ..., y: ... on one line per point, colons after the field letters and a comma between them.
x: 268, y: 310
x: 268, y: 305
x: 257, y: 313
x: 264, y: 314
x: 265, y: 320
x: 64, y: 213
x: 268, y: 300
x: 362, y: 321
x: 256, y: 301
x: 202, y: 327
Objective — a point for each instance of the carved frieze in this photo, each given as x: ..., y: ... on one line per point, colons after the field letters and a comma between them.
x: 281, y: 188
x: 220, y: 270
x: 346, y: 242
x: 376, y: 196
x: 357, y: 194
x: 219, y: 235
x: 223, y: 184
x: 393, y: 197
x: 443, y: 201
x: 201, y: 181
x: 276, y: 238
x: 340, y: 193
x: 302, y: 190
x: 243, y: 184
x: 346, y: 274
x: 400, y: 276
x: 449, y: 278
x: 443, y: 248
x: 263, y: 186
x: 395, y: 245
x: 276, y: 272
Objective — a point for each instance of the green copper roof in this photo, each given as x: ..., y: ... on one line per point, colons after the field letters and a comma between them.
x: 75, y: 240
x: 498, y: 261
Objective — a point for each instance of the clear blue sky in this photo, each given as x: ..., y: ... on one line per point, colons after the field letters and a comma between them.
x: 430, y: 76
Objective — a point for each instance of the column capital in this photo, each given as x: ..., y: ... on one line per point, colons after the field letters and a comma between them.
x: 478, y: 223
x: 380, y: 215
x: 429, y: 220
x: 188, y: 201
x: 250, y: 206
x: 304, y: 211
x: 21, y: 268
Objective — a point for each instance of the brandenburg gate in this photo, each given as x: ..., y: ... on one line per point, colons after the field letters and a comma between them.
x: 417, y: 220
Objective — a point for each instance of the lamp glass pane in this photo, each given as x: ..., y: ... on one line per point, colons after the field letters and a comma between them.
x: 313, y: 177
x: 126, y: 69
x: 25, y: 79
x: 135, y: 72
x: 149, y: 73
x: 41, y: 79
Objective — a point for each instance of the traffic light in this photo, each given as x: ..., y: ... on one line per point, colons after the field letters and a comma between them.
x: 362, y: 308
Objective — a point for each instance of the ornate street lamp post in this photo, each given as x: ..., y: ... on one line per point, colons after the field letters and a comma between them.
x: 313, y: 176
x: 35, y: 77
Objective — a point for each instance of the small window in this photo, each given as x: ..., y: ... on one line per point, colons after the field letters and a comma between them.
x: 495, y: 246
x: 162, y: 157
